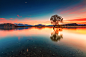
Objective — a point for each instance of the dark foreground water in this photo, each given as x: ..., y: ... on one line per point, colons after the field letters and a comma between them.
x: 43, y: 42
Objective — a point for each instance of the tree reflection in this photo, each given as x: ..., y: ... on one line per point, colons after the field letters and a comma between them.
x: 54, y: 35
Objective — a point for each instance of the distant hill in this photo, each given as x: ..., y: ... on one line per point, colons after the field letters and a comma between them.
x: 10, y: 25
x: 74, y: 24
x: 22, y: 25
x: 71, y: 24
x: 6, y: 25
x: 39, y: 25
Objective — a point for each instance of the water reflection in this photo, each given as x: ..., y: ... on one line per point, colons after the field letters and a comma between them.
x: 36, y: 42
x: 55, y: 35
x: 15, y: 28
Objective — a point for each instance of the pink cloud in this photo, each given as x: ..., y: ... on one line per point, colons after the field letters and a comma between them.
x: 19, y: 16
x: 2, y: 18
x: 78, y: 11
x: 82, y: 12
x: 24, y: 21
x: 29, y: 18
x: 73, y: 8
x: 11, y: 18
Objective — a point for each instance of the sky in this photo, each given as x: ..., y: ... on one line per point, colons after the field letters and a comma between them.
x: 40, y: 11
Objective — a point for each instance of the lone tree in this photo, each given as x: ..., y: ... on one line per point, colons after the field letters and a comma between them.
x: 55, y: 19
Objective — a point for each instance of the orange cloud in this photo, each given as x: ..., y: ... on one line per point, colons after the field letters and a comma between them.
x: 24, y: 21
x: 35, y: 22
x: 82, y: 23
x: 78, y: 21
x: 81, y: 19
x: 3, y: 20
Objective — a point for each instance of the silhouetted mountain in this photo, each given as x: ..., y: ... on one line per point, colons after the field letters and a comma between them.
x: 39, y: 25
x: 7, y: 25
x: 10, y: 25
x: 71, y: 24
x: 49, y: 25
x: 74, y: 24
x: 23, y: 25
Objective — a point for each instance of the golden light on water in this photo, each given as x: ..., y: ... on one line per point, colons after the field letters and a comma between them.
x: 73, y: 37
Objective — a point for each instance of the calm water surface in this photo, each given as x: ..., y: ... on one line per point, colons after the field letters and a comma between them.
x: 43, y: 42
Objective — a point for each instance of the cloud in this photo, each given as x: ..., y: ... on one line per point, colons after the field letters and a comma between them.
x: 83, y: 22
x: 2, y: 19
x: 71, y: 9
x: 81, y: 19
x: 79, y: 11
x: 19, y: 16
x: 74, y: 8
x: 25, y: 20
x: 11, y: 18
x: 29, y: 18
x: 84, y: 2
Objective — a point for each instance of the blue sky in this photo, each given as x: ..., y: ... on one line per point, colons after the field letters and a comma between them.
x: 35, y: 9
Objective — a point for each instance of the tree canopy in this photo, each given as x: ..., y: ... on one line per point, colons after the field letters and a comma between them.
x: 55, y: 19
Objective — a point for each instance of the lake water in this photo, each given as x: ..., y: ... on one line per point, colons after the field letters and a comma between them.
x: 43, y: 42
